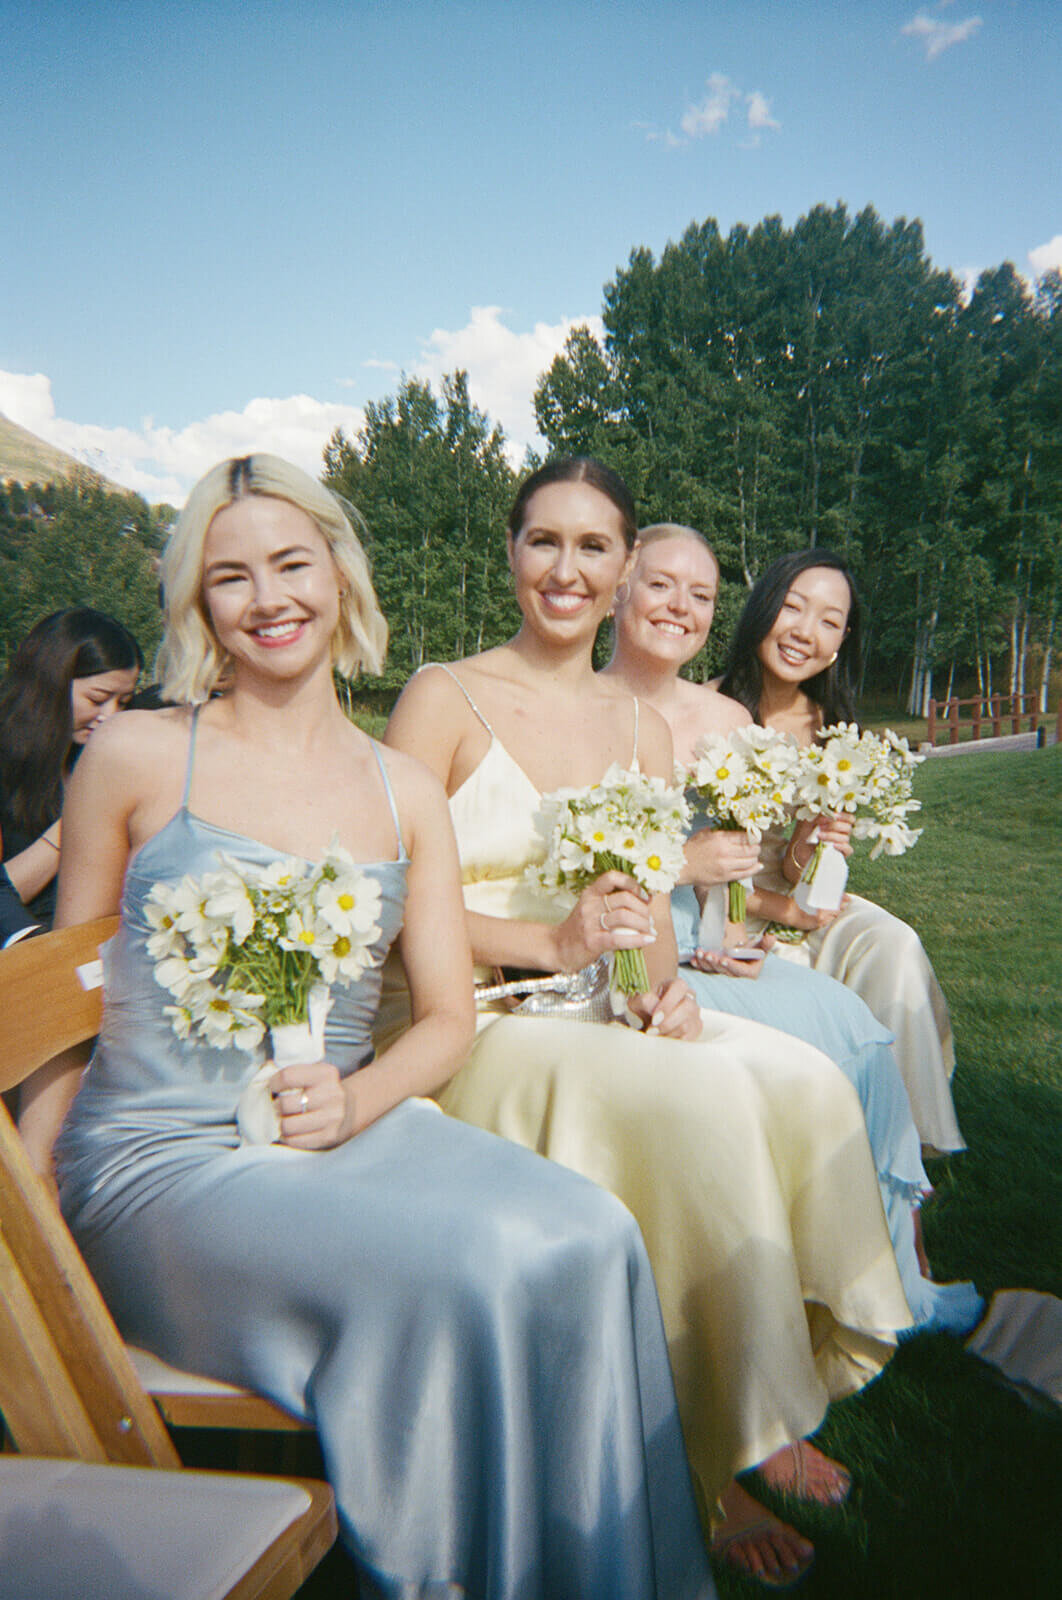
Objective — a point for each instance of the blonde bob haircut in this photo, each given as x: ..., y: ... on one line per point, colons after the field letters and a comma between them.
x: 191, y: 664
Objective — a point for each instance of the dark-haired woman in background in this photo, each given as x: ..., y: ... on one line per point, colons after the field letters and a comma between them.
x: 792, y: 661
x: 72, y: 671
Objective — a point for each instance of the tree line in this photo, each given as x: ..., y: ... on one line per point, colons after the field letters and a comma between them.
x: 74, y: 542
x: 820, y: 385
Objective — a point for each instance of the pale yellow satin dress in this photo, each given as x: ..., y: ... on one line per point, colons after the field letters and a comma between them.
x: 743, y: 1157
x: 882, y: 959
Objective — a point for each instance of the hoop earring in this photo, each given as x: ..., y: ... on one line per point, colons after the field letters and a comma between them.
x: 833, y: 658
x: 621, y: 596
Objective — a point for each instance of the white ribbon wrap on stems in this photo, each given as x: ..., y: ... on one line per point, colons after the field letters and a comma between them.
x: 824, y: 889
x: 294, y: 1044
x: 711, y: 934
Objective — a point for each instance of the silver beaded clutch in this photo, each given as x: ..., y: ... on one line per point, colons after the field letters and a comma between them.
x: 578, y: 996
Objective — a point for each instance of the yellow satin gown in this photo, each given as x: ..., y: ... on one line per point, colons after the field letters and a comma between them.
x: 743, y: 1156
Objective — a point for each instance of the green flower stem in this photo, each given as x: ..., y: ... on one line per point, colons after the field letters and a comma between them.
x: 629, y: 972
x: 736, y: 901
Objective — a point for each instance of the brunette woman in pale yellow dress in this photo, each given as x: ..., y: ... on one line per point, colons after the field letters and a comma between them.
x: 741, y: 1151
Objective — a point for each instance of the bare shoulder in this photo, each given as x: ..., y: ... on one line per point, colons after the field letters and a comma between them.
x: 717, y: 709
x: 136, y: 742
x: 432, y: 691
x: 419, y: 794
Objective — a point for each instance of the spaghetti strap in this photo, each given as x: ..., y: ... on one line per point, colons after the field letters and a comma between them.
x: 191, y: 759
x: 390, y: 798
x: 443, y: 668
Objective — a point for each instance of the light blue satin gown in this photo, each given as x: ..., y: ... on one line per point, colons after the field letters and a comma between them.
x: 813, y: 1007
x: 473, y: 1330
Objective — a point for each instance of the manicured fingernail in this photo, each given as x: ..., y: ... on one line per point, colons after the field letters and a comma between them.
x: 658, y: 1017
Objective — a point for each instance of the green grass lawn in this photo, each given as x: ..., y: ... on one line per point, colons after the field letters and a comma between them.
x: 958, y: 1483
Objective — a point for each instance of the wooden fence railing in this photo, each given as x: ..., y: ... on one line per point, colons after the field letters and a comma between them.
x: 989, y: 712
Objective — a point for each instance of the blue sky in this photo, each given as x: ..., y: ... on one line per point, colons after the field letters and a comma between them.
x: 231, y: 225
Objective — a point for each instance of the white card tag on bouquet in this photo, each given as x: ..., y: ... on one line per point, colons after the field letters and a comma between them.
x: 294, y: 1044
x: 712, y: 930
x: 825, y: 891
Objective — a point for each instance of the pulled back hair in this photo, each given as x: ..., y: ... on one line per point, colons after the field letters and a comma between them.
x: 832, y: 690
x: 191, y: 663
x: 36, y: 718
x: 577, y: 469
x: 658, y: 531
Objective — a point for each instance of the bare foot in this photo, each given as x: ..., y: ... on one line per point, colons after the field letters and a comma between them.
x: 805, y: 1473
x: 754, y: 1542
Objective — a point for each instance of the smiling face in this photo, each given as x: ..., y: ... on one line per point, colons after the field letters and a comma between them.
x: 95, y: 698
x: 668, y: 613
x: 270, y: 587
x: 810, y: 626
x: 568, y: 559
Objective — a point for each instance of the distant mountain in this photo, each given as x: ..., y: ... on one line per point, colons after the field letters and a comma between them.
x: 28, y: 459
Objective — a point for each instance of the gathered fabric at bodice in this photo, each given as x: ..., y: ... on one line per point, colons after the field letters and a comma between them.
x: 493, y: 813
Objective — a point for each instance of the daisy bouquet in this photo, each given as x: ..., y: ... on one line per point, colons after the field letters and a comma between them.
x: 249, y: 948
x: 626, y: 823
x: 867, y: 776
x: 744, y: 780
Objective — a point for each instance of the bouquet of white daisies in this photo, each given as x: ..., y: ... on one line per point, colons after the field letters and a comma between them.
x: 867, y: 776
x: 626, y: 823
x: 744, y: 780
x: 246, y: 948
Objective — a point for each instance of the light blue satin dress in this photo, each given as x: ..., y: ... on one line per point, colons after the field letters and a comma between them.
x: 813, y: 1007
x: 473, y: 1330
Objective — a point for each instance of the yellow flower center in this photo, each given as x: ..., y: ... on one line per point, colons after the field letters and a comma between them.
x: 653, y: 863
x: 843, y: 766
x: 306, y: 936
x: 599, y: 837
x: 341, y: 947
x: 345, y: 902
x: 722, y: 772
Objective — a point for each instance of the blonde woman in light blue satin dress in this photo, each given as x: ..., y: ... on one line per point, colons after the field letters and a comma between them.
x: 473, y: 1333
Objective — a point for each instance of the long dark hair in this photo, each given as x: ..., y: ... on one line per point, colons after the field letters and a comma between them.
x: 832, y: 690
x: 578, y: 469
x: 36, y: 721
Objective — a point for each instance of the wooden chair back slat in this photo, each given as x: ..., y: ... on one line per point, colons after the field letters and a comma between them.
x: 78, y: 1392
x: 59, y: 1318
x: 45, y: 1008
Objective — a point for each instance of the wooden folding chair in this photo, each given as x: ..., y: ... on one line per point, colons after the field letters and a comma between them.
x: 50, y: 1000
x: 69, y: 1387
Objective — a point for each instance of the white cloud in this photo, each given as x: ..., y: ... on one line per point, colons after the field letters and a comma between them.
x: 712, y: 112
x: 503, y: 367
x: 1047, y: 256
x: 759, y: 111
x: 940, y: 36
x: 162, y: 463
